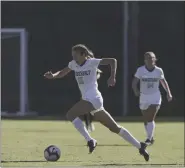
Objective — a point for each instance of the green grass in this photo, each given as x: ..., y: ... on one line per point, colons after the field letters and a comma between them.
x: 23, y: 143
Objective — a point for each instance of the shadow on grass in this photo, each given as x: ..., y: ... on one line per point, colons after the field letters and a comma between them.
x: 39, y: 131
x: 143, y: 165
x: 18, y: 161
x: 102, y: 145
x: 113, y: 145
x: 34, y: 161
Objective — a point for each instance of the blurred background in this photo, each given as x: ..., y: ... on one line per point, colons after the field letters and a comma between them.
x: 124, y: 30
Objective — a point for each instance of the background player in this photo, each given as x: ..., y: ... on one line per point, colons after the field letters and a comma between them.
x: 149, y: 76
x: 85, y: 69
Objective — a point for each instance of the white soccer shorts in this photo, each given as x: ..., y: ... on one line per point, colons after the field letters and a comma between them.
x: 147, y: 100
x: 97, y: 103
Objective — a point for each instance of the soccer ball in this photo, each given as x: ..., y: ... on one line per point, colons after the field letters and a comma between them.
x: 52, y: 153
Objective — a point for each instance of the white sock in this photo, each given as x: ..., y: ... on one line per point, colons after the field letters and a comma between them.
x: 77, y: 122
x: 125, y: 134
x: 150, y: 129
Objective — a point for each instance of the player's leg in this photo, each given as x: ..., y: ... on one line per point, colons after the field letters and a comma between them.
x: 88, y: 118
x: 149, y: 105
x: 106, y: 119
x: 80, y: 108
x: 98, y: 105
x: 74, y: 115
x: 149, y: 120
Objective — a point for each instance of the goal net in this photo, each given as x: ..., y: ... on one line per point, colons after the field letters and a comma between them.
x: 14, y: 84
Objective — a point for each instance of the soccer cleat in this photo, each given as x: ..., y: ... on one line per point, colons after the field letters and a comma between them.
x: 92, y: 145
x: 143, y: 151
x: 149, y: 142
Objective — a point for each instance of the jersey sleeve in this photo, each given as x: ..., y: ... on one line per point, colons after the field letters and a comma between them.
x: 161, y: 74
x: 71, y: 65
x: 138, y: 74
x: 95, y: 62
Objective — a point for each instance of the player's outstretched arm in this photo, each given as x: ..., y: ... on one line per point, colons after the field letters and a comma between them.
x: 113, y: 64
x: 59, y: 74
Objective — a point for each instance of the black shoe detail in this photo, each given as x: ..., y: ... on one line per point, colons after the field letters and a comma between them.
x: 92, y: 145
x: 149, y: 142
x: 152, y: 141
x: 143, y: 151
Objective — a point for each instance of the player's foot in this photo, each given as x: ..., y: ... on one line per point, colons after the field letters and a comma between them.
x: 143, y: 151
x: 149, y: 142
x: 92, y: 145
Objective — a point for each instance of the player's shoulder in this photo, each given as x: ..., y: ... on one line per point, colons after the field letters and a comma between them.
x: 72, y: 62
x: 93, y: 59
x: 90, y: 61
x: 159, y: 69
x: 141, y: 68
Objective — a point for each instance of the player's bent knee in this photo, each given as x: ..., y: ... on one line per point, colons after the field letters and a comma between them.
x: 70, y: 117
x: 145, y: 119
x: 115, y: 129
x: 150, y: 120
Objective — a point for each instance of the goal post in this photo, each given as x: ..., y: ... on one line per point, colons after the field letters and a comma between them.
x: 8, y: 33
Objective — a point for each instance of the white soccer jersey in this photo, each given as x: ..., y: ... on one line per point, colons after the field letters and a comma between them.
x: 149, y: 80
x: 86, y: 77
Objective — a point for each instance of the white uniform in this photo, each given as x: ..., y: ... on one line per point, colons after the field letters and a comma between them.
x: 149, y: 86
x: 86, y: 77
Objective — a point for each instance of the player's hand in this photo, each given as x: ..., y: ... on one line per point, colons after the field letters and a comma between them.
x: 169, y: 97
x: 48, y: 75
x: 111, y: 81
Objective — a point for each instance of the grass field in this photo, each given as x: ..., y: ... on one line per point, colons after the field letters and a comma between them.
x: 23, y: 143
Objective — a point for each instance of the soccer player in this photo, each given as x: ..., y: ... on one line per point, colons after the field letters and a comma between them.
x: 85, y: 69
x: 149, y: 76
